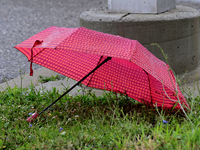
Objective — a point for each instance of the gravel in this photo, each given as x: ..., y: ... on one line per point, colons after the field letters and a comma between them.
x: 21, y: 19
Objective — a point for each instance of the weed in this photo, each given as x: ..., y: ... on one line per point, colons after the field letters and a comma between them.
x: 44, y: 79
x: 111, y: 121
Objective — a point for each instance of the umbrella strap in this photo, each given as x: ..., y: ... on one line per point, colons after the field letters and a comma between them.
x: 37, y: 42
x: 107, y: 59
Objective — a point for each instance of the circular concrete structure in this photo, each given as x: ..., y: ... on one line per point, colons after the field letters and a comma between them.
x: 176, y: 31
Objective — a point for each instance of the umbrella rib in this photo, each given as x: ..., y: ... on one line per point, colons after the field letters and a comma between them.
x: 149, y: 87
x: 97, y: 65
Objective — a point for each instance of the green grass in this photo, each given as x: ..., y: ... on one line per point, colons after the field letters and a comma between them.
x: 88, y: 122
x: 44, y: 79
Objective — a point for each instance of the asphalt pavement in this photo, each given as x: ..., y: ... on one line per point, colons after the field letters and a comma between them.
x: 21, y: 19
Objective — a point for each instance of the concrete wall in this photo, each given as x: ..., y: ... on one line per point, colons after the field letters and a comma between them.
x: 140, y: 6
x: 196, y: 1
x: 176, y: 31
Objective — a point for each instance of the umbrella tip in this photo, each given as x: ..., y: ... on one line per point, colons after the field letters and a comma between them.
x: 32, y: 117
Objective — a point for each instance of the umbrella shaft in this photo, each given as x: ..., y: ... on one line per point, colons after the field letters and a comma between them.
x: 108, y: 58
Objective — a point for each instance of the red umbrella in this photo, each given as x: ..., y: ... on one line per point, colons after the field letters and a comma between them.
x: 129, y: 68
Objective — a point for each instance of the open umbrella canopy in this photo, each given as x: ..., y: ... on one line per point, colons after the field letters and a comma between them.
x: 133, y: 70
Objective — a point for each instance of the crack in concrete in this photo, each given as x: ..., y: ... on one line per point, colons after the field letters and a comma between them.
x: 121, y: 26
x: 121, y: 18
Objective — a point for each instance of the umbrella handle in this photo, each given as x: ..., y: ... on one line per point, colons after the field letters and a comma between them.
x: 107, y: 59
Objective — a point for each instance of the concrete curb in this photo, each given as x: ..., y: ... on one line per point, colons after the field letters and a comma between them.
x: 27, y: 79
x: 60, y: 85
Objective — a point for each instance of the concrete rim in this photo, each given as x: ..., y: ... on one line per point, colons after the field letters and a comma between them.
x: 102, y: 14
